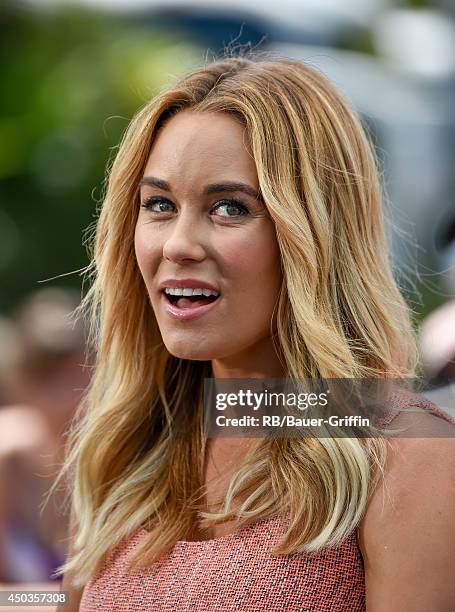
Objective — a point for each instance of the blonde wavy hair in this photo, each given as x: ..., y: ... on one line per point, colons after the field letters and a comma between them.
x: 340, y: 315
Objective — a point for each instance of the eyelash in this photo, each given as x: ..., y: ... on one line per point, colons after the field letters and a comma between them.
x: 149, y: 202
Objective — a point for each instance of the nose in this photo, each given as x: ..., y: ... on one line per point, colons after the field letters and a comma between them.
x: 184, y: 240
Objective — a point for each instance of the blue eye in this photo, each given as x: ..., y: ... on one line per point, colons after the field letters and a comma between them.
x: 239, y: 208
x: 150, y: 204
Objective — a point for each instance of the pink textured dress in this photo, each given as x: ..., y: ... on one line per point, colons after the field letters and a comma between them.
x: 237, y: 572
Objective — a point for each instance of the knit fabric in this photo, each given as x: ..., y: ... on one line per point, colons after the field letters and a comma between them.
x: 236, y: 572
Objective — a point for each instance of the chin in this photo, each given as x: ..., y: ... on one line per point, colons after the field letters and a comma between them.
x: 190, y: 351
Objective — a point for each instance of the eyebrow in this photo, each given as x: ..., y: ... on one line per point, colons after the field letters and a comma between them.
x: 228, y: 186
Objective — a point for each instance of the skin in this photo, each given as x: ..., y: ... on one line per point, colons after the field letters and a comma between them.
x: 407, y: 536
x: 237, y: 253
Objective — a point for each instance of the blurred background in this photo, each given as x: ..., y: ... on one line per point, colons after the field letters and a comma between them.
x: 73, y: 74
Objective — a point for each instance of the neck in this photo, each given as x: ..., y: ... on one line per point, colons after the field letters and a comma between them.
x: 258, y: 361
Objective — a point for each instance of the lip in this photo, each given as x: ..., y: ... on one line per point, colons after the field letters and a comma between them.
x: 187, y: 314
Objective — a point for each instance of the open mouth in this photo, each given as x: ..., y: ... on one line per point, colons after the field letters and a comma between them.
x: 190, y: 301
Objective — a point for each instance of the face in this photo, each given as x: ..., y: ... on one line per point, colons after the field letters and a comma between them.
x: 201, y: 229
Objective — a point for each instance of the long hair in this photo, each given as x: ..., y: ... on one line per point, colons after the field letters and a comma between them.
x: 340, y: 314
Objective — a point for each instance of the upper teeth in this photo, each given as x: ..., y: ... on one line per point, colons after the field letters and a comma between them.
x: 187, y: 291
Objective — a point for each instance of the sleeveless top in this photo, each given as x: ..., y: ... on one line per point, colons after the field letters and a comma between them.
x: 236, y: 572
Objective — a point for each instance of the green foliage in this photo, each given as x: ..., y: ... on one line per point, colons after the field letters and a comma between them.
x: 72, y: 79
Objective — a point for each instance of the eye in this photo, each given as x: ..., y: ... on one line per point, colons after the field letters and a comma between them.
x: 157, y: 205
x: 232, y: 206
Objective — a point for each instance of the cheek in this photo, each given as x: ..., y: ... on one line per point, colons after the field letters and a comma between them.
x: 146, y: 251
x: 253, y: 261
x: 260, y: 253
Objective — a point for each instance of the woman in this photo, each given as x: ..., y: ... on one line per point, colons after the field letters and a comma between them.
x: 252, y: 183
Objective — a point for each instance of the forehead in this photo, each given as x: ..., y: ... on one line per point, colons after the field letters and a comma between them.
x: 194, y: 145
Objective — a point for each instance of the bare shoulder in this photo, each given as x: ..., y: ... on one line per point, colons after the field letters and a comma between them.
x: 407, y: 536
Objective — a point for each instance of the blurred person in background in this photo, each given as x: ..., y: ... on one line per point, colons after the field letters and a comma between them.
x: 10, y: 352
x: 10, y: 356
x: 437, y: 332
x: 44, y: 366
